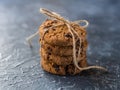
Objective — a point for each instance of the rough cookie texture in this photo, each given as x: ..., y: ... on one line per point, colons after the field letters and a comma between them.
x: 59, y: 69
x: 58, y: 33
x: 63, y: 51
x: 61, y: 60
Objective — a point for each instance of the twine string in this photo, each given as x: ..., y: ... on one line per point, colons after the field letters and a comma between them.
x: 29, y: 39
x: 79, y: 49
x: 82, y: 21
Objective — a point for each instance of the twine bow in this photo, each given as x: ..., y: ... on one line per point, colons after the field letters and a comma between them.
x: 72, y: 31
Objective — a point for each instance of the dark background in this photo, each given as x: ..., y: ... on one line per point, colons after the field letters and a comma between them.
x: 19, y: 64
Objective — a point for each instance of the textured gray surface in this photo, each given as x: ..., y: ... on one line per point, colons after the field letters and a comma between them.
x: 19, y: 65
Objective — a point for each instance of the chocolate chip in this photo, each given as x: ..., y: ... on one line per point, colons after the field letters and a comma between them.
x: 49, y: 53
x: 53, y: 29
x: 49, y: 49
x: 77, y: 52
x: 48, y: 57
x: 70, y: 69
x: 56, y: 67
x: 68, y: 35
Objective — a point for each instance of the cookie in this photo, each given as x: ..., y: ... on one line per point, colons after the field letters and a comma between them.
x: 60, y: 60
x: 62, y: 50
x: 58, y: 33
x: 59, y: 69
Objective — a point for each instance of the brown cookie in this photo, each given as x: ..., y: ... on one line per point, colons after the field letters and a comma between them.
x: 60, y: 69
x: 62, y: 50
x: 58, y: 33
x: 60, y: 60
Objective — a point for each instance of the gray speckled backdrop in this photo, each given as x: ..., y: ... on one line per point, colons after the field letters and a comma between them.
x: 19, y: 65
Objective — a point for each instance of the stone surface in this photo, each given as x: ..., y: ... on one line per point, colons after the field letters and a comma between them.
x: 19, y: 64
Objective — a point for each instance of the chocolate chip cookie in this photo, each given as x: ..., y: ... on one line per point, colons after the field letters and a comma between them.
x: 57, y: 33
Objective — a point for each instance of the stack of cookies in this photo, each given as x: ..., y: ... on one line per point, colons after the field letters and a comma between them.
x: 57, y: 47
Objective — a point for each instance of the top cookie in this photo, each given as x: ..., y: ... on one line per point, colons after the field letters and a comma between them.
x: 58, y: 34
